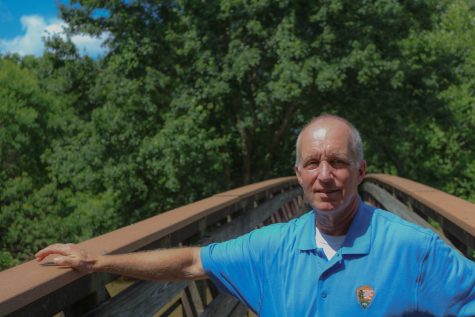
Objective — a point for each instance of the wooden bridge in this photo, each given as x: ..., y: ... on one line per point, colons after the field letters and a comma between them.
x: 33, y: 290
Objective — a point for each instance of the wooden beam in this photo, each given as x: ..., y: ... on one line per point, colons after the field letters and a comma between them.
x: 144, y: 298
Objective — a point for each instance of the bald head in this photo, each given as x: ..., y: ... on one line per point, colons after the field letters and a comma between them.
x: 319, y: 125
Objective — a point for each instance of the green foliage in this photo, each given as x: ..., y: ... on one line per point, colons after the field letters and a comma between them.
x: 7, y: 260
x: 23, y: 121
x: 198, y: 97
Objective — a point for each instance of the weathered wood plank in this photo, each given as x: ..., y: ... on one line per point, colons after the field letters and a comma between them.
x: 222, y: 306
x: 144, y: 298
x: 251, y: 219
x: 392, y: 204
x: 63, y: 298
x: 139, y: 294
x: 456, y: 210
x: 39, y: 294
x: 99, y: 296
x: 187, y: 304
x: 35, y: 282
x: 239, y: 311
x: 195, y: 297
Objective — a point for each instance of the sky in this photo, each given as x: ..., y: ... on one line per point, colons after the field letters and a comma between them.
x: 24, y: 22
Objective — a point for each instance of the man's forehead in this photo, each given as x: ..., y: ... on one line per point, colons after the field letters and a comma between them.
x: 328, y: 135
x: 327, y: 155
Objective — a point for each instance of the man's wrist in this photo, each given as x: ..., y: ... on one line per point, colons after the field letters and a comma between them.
x: 94, y: 263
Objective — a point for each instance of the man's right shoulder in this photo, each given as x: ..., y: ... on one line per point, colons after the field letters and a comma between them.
x: 281, y: 232
x: 292, y: 224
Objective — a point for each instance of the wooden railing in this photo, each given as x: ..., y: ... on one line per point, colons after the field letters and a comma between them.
x: 453, y: 217
x: 33, y: 290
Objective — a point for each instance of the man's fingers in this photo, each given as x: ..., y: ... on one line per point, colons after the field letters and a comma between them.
x: 60, y: 260
x: 63, y: 261
x: 58, y: 248
x: 67, y: 255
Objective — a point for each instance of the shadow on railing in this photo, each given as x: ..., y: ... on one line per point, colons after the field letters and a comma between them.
x: 32, y: 290
x: 453, y: 218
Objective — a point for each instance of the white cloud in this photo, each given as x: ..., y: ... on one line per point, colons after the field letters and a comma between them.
x: 36, y: 27
x: 88, y: 45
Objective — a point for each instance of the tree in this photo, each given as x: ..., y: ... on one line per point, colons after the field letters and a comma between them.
x: 258, y: 70
x: 25, y: 131
x: 194, y: 98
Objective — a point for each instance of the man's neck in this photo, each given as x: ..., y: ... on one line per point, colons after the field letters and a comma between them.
x: 337, y: 223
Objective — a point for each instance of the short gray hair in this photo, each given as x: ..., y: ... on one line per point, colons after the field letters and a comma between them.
x: 356, y: 144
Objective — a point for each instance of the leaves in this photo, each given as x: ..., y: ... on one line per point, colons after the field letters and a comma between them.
x: 195, y: 98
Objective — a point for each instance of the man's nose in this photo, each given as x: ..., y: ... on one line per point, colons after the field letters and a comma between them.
x: 325, y: 171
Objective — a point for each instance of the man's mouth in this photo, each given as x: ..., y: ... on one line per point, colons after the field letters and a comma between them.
x: 327, y: 191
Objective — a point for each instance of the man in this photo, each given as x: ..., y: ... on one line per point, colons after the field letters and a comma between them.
x: 344, y: 258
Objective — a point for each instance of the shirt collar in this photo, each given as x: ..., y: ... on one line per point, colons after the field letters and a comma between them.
x: 306, y: 236
x: 358, y: 238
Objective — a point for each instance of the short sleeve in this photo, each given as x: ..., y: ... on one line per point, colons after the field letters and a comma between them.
x: 447, y: 281
x: 236, y: 265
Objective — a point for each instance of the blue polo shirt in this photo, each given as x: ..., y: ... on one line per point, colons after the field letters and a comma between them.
x: 386, y: 267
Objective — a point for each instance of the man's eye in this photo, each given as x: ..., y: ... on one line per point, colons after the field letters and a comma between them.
x: 338, y: 163
x: 312, y: 165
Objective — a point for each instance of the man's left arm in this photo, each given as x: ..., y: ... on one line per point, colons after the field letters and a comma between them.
x: 447, y: 281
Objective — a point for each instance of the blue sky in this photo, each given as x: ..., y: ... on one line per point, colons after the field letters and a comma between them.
x: 24, y: 22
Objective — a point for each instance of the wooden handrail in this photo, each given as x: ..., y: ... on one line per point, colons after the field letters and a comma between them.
x: 30, y: 289
x: 455, y: 215
x: 26, y: 283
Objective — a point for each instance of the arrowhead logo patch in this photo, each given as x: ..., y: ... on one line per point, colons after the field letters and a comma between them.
x: 365, y: 295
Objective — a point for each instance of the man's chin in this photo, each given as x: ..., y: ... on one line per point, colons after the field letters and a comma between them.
x: 325, y: 207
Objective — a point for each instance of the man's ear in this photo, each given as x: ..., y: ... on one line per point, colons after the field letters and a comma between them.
x: 298, y: 174
x: 361, y: 171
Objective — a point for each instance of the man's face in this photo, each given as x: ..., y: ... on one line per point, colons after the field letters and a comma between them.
x: 327, y: 170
